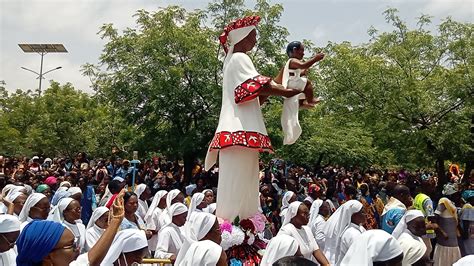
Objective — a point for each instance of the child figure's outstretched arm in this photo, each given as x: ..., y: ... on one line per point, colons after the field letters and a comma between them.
x: 298, y: 64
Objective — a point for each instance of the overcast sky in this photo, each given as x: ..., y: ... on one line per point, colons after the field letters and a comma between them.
x: 75, y: 23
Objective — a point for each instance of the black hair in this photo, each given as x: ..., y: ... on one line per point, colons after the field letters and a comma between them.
x: 350, y: 190
x: 114, y: 186
x: 127, y: 196
x: 292, y: 46
x: 293, y: 261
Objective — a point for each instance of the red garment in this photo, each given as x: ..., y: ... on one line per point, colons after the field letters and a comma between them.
x: 111, y: 201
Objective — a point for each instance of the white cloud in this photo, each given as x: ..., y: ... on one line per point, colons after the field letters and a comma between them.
x: 460, y: 9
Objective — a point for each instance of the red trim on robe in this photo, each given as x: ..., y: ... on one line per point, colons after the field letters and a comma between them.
x: 249, y: 139
x: 250, y: 89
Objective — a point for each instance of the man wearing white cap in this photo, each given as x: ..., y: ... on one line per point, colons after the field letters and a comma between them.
x: 241, y: 132
x: 9, y: 232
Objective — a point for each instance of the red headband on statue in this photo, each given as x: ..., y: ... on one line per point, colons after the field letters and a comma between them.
x: 240, y: 23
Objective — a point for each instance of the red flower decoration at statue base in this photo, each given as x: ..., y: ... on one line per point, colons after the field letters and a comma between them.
x: 247, y: 225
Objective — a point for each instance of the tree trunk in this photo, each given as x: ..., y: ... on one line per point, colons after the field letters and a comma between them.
x: 441, y: 172
x: 317, y: 164
x: 189, y: 159
x: 470, y: 161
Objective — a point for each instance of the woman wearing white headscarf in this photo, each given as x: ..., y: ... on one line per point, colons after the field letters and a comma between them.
x: 36, y: 207
x: 96, y: 226
x: 76, y: 193
x: 336, y: 226
x: 197, y: 204
x: 170, y: 238
x: 287, y: 198
x: 9, y: 232
x: 152, y: 217
x: 11, y: 193
x: 374, y: 246
x: 6, y: 189
x: 142, y: 204
x: 68, y: 212
x: 317, y: 222
x: 201, y: 245
x: 408, y: 232
x: 294, y: 225
x: 208, y: 196
x: 174, y: 196
x: 17, y: 196
x: 128, y: 245
x: 279, y: 247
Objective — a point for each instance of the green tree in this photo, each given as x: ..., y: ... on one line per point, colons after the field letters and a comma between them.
x: 159, y: 79
x: 412, y: 89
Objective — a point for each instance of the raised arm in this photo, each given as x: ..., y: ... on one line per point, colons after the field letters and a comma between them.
x: 272, y: 88
x: 100, y: 249
x: 298, y: 64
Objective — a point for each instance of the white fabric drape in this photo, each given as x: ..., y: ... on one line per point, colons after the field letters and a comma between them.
x: 195, y: 229
x: 280, y: 246
x: 413, y: 246
x: 56, y: 213
x: 372, y: 246
x: 289, y: 117
x: 402, y: 225
x: 317, y: 223
x: 170, y: 238
x: 202, y: 253
x: 336, y: 225
x: 142, y: 205
x: 94, y: 232
x: 304, y: 237
x: 292, y: 211
x: 125, y: 241
x: 348, y: 236
x: 285, y: 203
x: 237, y: 194
x: 195, y: 201
x: 31, y: 201
x: 152, y: 218
x: 234, y: 37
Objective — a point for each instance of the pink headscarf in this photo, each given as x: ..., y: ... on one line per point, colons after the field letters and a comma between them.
x: 51, y: 181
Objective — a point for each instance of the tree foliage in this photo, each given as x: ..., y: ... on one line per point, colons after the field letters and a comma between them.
x: 403, y: 98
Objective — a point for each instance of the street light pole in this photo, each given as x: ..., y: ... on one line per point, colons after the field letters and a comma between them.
x: 41, y: 74
x: 42, y: 49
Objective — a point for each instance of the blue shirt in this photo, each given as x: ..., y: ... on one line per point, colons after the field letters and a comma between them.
x: 391, y: 218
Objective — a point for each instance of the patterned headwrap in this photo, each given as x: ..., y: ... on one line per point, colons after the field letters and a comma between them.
x: 226, y: 39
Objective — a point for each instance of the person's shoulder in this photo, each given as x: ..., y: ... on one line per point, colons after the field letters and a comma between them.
x: 241, y: 58
x: 240, y: 55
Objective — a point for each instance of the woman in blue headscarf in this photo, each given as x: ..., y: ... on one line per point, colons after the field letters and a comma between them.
x: 49, y: 243
x: 41, y: 241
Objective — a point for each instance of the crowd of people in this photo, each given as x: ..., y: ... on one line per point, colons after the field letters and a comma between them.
x: 53, y: 210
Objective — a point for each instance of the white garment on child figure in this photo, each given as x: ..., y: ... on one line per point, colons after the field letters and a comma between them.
x: 289, y: 116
